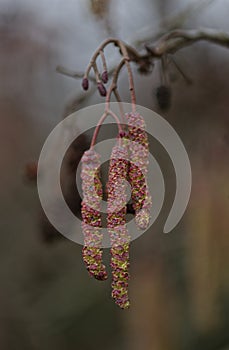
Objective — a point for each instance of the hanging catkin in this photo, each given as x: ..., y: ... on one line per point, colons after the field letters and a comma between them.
x: 91, y: 216
x: 116, y: 223
x: 139, y: 152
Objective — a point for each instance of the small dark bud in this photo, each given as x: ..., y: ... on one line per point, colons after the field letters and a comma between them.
x: 105, y: 77
x: 163, y: 94
x: 145, y: 67
x: 102, y: 89
x: 85, y: 84
x: 123, y: 134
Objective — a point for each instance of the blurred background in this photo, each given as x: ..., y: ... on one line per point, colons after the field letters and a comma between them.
x: 179, y: 283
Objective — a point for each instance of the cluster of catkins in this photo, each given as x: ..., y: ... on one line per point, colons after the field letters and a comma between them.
x: 128, y: 162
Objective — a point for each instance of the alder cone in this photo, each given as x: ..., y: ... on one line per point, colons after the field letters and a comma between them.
x: 164, y: 95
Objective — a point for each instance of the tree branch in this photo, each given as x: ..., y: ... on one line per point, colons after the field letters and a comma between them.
x: 177, y: 39
x: 168, y: 43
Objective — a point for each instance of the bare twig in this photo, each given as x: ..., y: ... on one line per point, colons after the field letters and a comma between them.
x: 177, y: 39
x: 185, y: 77
x: 168, y: 43
x: 103, y: 60
x: 114, y: 88
x: 124, y: 50
x: 104, y: 116
x: 173, y: 21
x: 71, y: 73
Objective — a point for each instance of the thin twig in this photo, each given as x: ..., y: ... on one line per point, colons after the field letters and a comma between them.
x: 130, y: 74
x: 184, y: 76
x: 113, y: 88
x: 177, y: 39
x: 168, y: 43
x: 103, y: 60
x: 98, y: 126
x: 113, y: 85
x: 71, y: 73
x: 173, y: 21
x: 97, y: 53
x: 96, y: 71
x: 118, y: 98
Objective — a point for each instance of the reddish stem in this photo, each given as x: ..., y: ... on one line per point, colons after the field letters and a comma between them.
x: 104, y: 116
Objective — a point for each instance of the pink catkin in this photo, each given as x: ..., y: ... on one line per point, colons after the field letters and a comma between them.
x: 91, y: 216
x: 139, y: 152
x: 116, y: 223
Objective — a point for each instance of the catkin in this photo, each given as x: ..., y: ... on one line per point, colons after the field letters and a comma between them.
x: 116, y: 223
x: 139, y: 152
x: 91, y: 216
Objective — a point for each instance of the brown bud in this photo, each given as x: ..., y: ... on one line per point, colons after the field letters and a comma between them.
x: 105, y: 77
x: 102, y: 89
x: 85, y: 84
